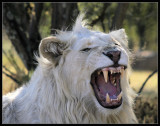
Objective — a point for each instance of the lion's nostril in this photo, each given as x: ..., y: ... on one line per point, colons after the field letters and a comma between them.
x: 113, y: 55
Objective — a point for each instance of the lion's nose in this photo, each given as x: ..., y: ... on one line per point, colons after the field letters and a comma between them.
x: 113, y: 55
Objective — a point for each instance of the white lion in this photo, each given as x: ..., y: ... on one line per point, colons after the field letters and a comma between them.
x: 81, y: 77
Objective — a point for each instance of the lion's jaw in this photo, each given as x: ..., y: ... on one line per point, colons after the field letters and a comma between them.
x: 80, y: 65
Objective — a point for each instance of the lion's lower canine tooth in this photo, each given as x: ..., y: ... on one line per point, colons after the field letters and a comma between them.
x: 119, y: 96
x: 99, y: 72
x: 105, y: 74
x: 122, y: 72
x: 113, y: 80
x: 108, y: 100
x: 111, y: 71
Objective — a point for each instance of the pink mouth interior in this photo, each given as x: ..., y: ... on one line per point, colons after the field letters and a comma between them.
x: 108, y: 87
x: 101, y: 88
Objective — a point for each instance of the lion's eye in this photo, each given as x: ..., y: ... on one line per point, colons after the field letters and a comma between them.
x: 86, y: 49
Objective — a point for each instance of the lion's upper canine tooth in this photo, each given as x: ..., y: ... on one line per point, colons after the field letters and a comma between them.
x: 105, y: 74
x: 108, y: 100
x: 119, y: 96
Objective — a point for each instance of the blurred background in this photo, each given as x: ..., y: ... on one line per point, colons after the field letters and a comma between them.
x: 25, y: 24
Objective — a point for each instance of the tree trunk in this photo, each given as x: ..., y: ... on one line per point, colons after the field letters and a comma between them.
x: 16, y: 22
x: 62, y: 16
x: 119, y: 16
x: 22, y: 29
x: 34, y: 35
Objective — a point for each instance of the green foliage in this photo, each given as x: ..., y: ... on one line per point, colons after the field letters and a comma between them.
x: 45, y: 21
x: 140, y: 22
x: 93, y: 10
x: 143, y: 16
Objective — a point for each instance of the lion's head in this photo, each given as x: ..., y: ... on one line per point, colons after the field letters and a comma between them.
x: 90, y: 66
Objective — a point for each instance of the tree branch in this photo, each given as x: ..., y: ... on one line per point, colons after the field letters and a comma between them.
x: 8, y: 70
x: 15, y: 80
x: 101, y: 17
x: 146, y: 81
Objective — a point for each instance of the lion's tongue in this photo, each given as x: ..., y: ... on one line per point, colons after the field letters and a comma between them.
x: 107, y: 87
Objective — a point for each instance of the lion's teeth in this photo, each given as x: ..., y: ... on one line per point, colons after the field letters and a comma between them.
x: 119, y: 96
x: 111, y: 71
x: 99, y: 72
x: 108, y: 100
x: 105, y: 74
x: 122, y: 72
x: 114, y: 99
x: 113, y: 80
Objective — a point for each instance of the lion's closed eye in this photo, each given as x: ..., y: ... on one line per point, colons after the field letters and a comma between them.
x: 117, y: 44
x: 85, y: 49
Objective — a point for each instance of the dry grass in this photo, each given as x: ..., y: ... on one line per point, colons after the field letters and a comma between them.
x: 8, y: 84
x: 146, y: 110
x: 146, y: 105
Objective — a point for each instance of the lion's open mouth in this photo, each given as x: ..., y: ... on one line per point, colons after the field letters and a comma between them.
x: 106, y: 85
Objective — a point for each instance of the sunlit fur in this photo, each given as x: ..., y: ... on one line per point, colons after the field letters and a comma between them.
x: 60, y: 91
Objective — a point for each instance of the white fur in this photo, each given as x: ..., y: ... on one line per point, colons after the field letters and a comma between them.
x: 62, y: 93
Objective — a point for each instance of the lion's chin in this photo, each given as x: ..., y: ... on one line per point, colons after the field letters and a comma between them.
x: 106, y: 85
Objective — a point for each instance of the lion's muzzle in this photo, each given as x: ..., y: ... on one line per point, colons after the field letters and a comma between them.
x: 106, y: 86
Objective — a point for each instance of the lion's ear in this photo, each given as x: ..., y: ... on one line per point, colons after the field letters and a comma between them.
x: 120, y: 35
x: 51, y: 48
